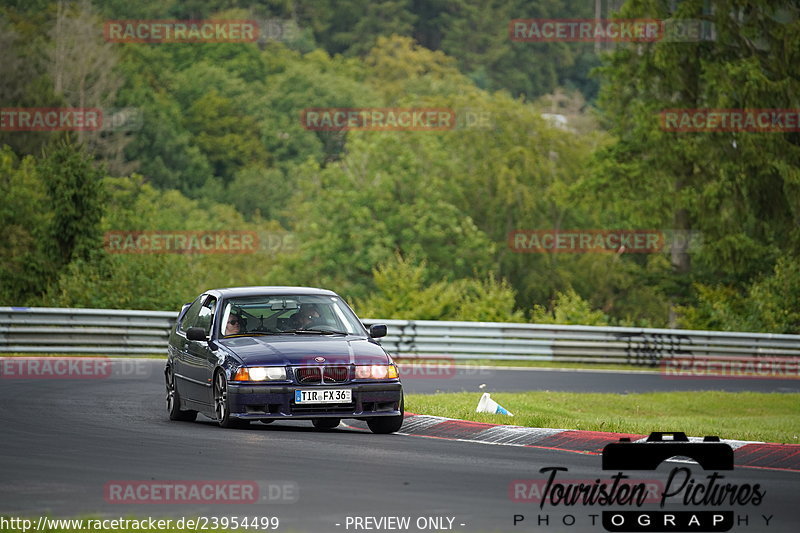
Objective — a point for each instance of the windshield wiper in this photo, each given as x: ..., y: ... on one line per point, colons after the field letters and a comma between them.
x: 317, y: 331
x: 253, y: 334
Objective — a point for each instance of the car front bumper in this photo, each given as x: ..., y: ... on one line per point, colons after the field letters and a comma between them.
x: 273, y: 402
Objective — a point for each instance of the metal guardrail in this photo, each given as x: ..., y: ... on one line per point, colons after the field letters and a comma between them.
x: 122, y: 332
x: 84, y: 331
x: 593, y: 344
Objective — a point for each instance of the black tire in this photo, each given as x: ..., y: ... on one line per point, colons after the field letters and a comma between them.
x: 221, y: 406
x: 174, y: 401
x: 387, y: 424
x: 267, y: 421
x: 324, y: 424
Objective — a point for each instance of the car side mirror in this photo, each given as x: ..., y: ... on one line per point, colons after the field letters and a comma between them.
x: 196, y: 334
x: 377, y: 330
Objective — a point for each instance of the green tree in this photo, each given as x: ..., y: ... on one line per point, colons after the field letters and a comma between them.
x: 159, y: 281
x: 226, y: 135
x: 771, y: 304
x: 308, y: 81
x: 403, y: 292
x: 476, y: 33
x: 24, y: 82
x: 739, y: 188
x: 353, y: 26
x: 75, y: 197
x: 568, y: 308
x: 382, y: 198
x: 83, y: 70
x: 165, y: 150
x: 26, y: 268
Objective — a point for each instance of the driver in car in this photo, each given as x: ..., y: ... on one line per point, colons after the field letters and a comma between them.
x: 307, y: 316
x: 234, y: 325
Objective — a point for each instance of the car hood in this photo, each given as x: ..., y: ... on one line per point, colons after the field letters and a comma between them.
x: 299, y: 350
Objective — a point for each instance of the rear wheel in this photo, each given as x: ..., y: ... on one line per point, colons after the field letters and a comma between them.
x: 326, y: 423
x: 387, y: 424
x: 221, y: 405
x: 174, y: 401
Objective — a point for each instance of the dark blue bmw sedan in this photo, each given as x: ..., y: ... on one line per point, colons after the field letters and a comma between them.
x: 273, y: 353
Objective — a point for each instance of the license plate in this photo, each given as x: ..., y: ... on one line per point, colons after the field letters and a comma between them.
x: 323, y: 396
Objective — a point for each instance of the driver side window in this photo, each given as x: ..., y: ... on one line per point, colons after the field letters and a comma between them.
x: 206, y: 316
x: 190, y: 317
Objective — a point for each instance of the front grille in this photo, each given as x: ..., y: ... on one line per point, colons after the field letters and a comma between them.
x: 308, y: 374
x: 322, y: 374
x: 335, y: 374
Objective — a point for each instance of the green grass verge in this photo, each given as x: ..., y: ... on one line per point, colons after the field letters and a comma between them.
x: 768, y: 417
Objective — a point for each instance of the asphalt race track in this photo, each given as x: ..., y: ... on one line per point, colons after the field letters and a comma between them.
x: 65, y: 441
x: 456, y: 378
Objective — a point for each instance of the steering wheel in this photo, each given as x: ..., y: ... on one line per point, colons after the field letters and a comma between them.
x: 321, y: 327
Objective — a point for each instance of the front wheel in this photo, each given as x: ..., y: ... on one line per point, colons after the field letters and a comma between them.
x: 221, y: 405
x: 387, y: 424
x: 174, y: 401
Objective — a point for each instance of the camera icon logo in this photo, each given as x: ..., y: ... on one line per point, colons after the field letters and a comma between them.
x: 711, y: 454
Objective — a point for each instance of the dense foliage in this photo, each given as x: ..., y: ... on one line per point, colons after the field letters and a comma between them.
x: 406, y: 224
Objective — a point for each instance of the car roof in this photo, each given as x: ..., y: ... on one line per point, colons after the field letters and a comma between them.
x: 271, y: 290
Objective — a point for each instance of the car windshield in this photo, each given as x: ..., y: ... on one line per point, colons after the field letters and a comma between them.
x: 288, y: 314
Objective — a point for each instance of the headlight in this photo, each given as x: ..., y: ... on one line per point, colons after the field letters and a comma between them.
x: 260, y: 373
x: 376, y: 372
